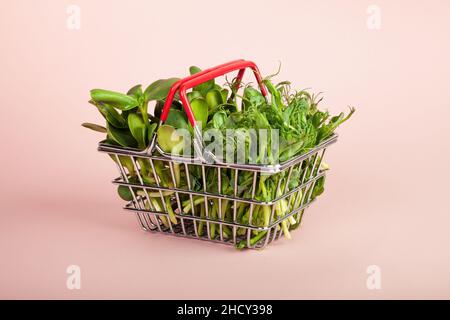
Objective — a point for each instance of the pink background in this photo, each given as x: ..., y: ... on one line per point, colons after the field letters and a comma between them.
x: 387, y: 197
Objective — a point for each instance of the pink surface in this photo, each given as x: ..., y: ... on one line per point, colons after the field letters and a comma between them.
x: 386, y: 201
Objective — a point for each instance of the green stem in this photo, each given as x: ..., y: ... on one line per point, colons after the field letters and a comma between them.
x: 243, y: 243
x: 177, y: 172
x: 266, y: 215
x: 143, y: 163
x: 285, y: 230
x: 213, y: 215
x: 201, y: 223
x: 299, y: 196
x: 187, y: 203
x: 155, y: 194
x: 158, y: 208
x: 241, y: 211
x: 226, y: 231
x: 224, y: 209
x: 172, y: 216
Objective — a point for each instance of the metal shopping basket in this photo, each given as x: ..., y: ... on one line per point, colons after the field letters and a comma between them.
x: 225, y: 222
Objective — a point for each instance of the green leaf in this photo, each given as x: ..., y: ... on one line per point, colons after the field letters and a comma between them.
x: 200, y: 109
x: 214, y: 98
x: 327, y: 129
x: 110, y: 114
x: 177, y: 119
x: 224, y: 93
x: 136, y: 92
x: 294, y: 181
x: 318, y: 187
x: 204, y: 87
x: 125, y: 193
x: 176, y: 105
x: 159, y: 89
x: 151, y: 130
x: 194, y: 94
x: 122, y: 136
x: 116, y: 99
x: 219, y: 119
x: 291, y: 150
x: 126, y: 113
x: 94, y: 127
x: 127, y: 163
x: 276, y: 96
x: 253, y: 97
x: 138, y: 129
x: 194, y: 69
x: 168, y: 138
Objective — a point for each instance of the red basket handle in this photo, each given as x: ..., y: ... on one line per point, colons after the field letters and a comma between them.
x: 204, y: 76
x: 176, y: 85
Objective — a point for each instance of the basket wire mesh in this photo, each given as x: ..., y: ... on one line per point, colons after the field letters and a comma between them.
x: 154, y: 218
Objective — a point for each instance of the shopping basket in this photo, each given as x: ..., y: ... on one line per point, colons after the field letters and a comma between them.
x: 231, y: 221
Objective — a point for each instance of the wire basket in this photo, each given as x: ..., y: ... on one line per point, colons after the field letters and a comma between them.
x: 227, y: 214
